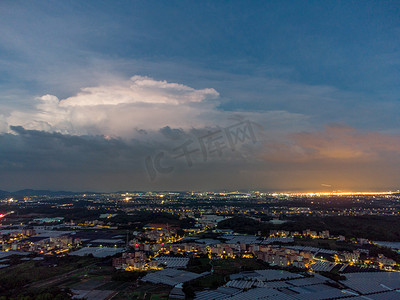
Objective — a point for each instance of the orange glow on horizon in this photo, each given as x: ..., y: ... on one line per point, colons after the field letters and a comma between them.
x: 311, y: 194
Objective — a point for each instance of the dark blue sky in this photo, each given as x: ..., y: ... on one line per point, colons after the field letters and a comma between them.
x: 321, y: 78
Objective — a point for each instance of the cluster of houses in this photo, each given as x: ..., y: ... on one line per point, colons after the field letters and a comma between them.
x: 35, y: 240
x: 163, y: 240
x: 242, y: 246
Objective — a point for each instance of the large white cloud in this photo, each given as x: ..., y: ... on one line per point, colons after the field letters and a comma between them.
x: 138, y: 105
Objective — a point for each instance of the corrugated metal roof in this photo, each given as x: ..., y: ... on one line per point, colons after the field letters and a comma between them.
x: 170, y: 277
x: 261, y: 293
x: 173, y: 262
x: 372, y: 282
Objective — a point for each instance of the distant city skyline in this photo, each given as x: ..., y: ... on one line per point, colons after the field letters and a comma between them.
x: 104, y: 96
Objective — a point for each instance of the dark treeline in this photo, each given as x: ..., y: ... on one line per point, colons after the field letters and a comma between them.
x: 376, y: 228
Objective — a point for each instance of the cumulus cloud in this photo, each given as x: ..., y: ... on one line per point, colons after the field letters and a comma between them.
x: 138, y: 105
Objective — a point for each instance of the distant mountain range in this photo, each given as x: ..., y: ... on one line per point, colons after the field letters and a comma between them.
x: 30, y: 192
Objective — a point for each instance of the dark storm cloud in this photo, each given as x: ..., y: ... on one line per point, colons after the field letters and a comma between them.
x: 60, y: 159
x: 32, y: 158
x: 40, y: 150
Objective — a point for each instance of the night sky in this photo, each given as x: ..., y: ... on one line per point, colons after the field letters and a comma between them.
x: 199, y: 95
